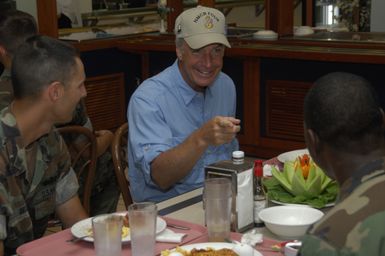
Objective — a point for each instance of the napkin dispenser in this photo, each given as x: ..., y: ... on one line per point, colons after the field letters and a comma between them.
x: 241, y: 176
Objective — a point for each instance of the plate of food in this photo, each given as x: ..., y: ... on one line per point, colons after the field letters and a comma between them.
x: 228, y: 249
x: 83, y: 228
x: 301, y: 182
x: 292, y: 155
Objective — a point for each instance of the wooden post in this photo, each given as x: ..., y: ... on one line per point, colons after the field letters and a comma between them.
x: 208, y: 3
x: 176, y: 7
x: 279, y: 16
x: 47, y: 17
x: 308, y: 13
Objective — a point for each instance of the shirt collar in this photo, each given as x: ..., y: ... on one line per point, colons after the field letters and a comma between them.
x: 6, y: 75
x: 185, y: 90
x: 365, y: 173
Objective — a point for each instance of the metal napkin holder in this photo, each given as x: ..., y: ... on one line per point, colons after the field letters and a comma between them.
x: 241, y: 176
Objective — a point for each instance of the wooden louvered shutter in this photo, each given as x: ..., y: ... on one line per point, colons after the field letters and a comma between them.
x: 284, y: 109
x: 105, y: 101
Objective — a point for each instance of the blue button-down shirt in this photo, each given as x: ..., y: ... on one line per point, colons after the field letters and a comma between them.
x: 162, y: 113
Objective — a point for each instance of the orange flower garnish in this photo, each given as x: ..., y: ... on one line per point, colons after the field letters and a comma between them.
x: 305, y: 165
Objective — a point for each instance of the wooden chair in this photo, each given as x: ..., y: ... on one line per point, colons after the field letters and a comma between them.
x: 83, y: 157
x: 120, y: 159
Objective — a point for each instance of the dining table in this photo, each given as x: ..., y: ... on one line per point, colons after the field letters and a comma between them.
x: 183, y: 211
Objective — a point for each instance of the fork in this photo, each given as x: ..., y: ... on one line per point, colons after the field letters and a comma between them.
x: 75, y: 239
x: 177, y: 226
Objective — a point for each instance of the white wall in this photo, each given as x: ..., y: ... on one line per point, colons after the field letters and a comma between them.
x: 377, y: 19
x: 244, y: 16
x: 29, y: 6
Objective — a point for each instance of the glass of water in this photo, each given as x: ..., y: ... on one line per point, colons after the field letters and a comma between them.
x: 142, y: 219
x: 107, y: 233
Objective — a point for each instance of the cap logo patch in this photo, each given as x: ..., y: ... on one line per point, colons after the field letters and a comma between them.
x: 207, y: 14
x: 208, y: 22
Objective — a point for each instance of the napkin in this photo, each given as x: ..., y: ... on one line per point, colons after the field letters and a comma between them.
x: 252, y: 238
x: 169, y: 236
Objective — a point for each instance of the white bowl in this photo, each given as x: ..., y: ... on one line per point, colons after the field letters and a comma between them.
x: 289, y: 221
x: 265, y: 35
x: 303, y: 31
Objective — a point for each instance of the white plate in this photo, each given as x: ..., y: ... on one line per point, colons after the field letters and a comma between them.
x: 292, y: 155
x: 215, y: 246
x: 80, y: 228
x: 303, y: 205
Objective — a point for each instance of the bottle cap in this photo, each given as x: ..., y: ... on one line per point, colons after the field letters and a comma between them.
x: 238, y: 154
x: 258, y: 168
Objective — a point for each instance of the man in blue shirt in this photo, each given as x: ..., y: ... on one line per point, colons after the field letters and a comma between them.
x: 183, y: 118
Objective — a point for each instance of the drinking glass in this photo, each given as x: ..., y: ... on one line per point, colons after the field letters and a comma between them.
x: 142, y: 219
x: 107, y: 233
x: 217, y: 198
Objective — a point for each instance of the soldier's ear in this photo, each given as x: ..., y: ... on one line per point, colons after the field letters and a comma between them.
x: 311, y: 139
x: 383, y: 118
x: 55, y: 91
x: 3, y: 53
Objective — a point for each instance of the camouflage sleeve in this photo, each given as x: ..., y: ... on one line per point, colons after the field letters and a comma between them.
x: 67, y: 185
x: 312, y: 245
x: 4, y: 195
x: 3, y: 227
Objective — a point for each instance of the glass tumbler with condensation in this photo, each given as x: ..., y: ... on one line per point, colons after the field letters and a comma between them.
x: 107, y: 233
x: 217, y: 197
x: 142, y: 219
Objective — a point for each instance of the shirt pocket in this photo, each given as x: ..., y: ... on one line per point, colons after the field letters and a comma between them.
x: 44, y: 202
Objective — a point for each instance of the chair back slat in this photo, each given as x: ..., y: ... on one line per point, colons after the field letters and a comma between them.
x: 120, y: 159
x: 83, y: 158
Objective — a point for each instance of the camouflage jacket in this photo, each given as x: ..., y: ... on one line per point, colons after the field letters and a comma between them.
x: 356, y: 224
x: 6, y: 90
x: 29, y: 195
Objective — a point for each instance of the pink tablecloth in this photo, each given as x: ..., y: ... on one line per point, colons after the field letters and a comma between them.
x: 56, y: 244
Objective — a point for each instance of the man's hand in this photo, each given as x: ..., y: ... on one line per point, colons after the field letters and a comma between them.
x: 104, y: 139
x: 219, y: 130
x: 174, y: 164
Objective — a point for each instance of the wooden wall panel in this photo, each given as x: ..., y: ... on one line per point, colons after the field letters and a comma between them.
x: 47, y: 17
x: 176, y: 9
x: 284, y: 109
x: 105, y: 101
x: 279, y: 16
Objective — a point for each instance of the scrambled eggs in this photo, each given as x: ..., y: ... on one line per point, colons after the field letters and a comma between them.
x: 199, y: 252
x: 125, y: 231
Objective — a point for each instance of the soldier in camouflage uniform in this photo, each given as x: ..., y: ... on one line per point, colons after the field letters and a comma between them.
x: 344, y: 131
x: 15, y: 27
x: 36, y: 178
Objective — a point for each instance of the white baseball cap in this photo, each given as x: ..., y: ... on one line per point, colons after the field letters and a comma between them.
x: 201, y: 26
